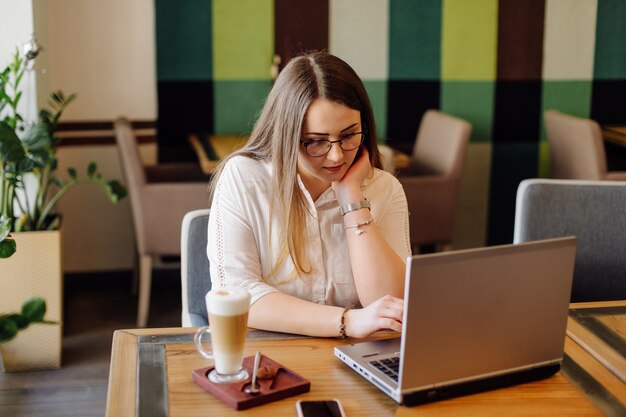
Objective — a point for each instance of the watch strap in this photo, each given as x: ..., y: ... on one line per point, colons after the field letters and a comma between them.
x: 355, y: 206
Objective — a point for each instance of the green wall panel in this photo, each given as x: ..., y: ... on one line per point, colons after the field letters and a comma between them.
x: 428, y: 54
x: 469, y: 39
x: 610, y: 51
x: 243, y: 39
x: 237, y: 105
x: 377, y: 92
x: 414, y: 39
x: 472, y: 101
x: 571, y: 97
x: 544, y: 160
x: 183, y: 36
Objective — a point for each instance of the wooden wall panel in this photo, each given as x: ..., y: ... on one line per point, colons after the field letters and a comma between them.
x: 300, y: 25
x: 520, y: 39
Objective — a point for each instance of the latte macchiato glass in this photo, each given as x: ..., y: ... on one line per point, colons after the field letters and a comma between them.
x: 228, y: 322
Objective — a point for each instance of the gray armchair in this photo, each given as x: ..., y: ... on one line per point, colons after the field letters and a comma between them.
x: 194, y: 267
x: 593, y: 211
x: 157, y: 208
x: 432, y: 181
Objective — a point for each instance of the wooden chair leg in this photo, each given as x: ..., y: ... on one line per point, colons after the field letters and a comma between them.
x: 134, y: 283
x: 145, y: 284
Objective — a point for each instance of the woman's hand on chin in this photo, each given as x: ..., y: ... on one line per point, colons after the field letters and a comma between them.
x: 356, y: 174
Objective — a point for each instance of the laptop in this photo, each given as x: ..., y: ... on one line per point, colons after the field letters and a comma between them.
x: 474, y: 320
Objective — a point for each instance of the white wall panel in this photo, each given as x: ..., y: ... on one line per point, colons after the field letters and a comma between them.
x: 105, y: 52
x: 16, y: 28
x: 359, y: 33
x: 569, y: 39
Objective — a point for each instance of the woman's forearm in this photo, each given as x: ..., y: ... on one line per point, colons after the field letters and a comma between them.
x: 376, y: 268
x: 280, y: 312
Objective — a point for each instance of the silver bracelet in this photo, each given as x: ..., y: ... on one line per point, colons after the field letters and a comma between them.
x: 355, y: 206
x: 357, y: 227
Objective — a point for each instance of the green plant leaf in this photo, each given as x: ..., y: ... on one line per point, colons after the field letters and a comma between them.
x: 37, y: 137
x: 72, y: 173
x: 11, y: 149
x: 19, y: 77
x: 5, y: 227
x: 20, y: 223
x: 57, y: 182
x: 54, y: 223
x: 70, y: 98
x: 7, y: 247
x: 34, y: 309
x: 24, y: 165
x: 20, y: 321
x: 45, y: 117
x: 116, y: 191
x: 8, y: 329
x: 17, y: 98
x: 57, y: 96
x: 91, y: 169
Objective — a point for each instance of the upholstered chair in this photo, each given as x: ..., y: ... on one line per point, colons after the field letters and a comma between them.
x: 576, y: 148
x: 157, y: 207
x: 593, y: 211
x: 194, y: 268
x: 432, y: 181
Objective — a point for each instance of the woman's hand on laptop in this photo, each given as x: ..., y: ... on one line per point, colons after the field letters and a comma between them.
x: 383, y: 314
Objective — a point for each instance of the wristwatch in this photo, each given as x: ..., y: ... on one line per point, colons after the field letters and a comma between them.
x: 355, y: 206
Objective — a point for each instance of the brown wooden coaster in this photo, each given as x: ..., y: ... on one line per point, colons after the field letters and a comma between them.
x: 285, y: 383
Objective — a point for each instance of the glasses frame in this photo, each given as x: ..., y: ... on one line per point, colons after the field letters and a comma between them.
x: 330, y: 142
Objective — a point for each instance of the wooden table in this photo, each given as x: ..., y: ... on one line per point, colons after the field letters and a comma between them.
x: 211, y: 148
x: 615, y: 134
x: 151, y: 376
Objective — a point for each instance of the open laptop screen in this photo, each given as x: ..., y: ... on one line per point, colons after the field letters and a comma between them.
x: 475, y: 313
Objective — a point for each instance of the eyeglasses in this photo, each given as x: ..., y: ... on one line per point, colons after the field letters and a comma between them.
x: 347, y: 142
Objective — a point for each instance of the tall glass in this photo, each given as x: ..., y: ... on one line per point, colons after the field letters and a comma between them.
x: 228, y: 322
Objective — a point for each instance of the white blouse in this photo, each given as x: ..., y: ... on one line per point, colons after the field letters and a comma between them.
x: 244, y: 235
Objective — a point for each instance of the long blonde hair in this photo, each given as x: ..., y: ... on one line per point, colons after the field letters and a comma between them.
x: 277, y: 133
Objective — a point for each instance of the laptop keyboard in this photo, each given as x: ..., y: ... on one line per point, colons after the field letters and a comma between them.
x: 389, y: 367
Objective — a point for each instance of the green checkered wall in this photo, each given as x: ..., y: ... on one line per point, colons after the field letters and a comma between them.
x: 498, y: 64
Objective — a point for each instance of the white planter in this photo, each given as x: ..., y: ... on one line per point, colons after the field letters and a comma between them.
x: 33, y: 271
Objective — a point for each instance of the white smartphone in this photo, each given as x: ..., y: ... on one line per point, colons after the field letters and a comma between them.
x: 329, y: 408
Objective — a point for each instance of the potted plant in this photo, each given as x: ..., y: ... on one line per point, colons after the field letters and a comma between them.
x: 30, y: 188
x: 30, y: 149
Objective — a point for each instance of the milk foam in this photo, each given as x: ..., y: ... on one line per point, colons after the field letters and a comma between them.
x: 227, y: 301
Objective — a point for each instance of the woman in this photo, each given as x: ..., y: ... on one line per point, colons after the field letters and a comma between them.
x: 303, y: 216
